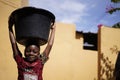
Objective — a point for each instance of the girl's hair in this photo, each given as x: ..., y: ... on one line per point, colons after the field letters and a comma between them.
x: 32, y: 42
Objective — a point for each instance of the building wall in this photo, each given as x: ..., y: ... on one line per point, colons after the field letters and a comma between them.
x: 68, y: 60
x: 109, y: 45
x: 8, y: 69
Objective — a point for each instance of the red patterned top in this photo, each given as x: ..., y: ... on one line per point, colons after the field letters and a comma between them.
x: 29, y: 71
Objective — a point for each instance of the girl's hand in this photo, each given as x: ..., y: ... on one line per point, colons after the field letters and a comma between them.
x: 53, y: 26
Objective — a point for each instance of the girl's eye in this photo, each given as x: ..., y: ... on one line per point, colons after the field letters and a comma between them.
x: 28, y: 50
x: 35, y: 51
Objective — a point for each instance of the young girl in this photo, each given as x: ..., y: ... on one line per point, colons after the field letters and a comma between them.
x: 31, y: 66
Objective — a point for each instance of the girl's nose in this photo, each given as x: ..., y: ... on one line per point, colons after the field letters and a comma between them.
x: 31, y: 52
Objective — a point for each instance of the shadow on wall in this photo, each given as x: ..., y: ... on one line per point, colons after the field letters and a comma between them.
x: 106, y: 67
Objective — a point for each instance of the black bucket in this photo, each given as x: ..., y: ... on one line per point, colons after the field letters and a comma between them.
x: 32, y: 25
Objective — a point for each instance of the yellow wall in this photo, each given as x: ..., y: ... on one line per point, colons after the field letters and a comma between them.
x: 109, y: 45
x: 10, y: 3
x: 68, y: 60
x: 7, y: 65
x: 8, y: 69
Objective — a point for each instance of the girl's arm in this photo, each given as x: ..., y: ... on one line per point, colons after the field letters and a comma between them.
x: 13, y: 43
x: 47, y: 50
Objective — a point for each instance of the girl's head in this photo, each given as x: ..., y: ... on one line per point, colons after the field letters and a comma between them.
x: 32, y: 52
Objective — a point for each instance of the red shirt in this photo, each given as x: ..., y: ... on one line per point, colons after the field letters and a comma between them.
x: 29, y: 71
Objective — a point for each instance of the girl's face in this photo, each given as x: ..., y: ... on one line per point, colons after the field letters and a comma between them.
x: 32, y: 53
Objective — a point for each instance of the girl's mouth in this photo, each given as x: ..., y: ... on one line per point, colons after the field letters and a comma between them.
x: 31, y: 58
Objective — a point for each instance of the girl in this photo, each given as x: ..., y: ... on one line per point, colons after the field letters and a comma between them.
x: 30, y: 67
